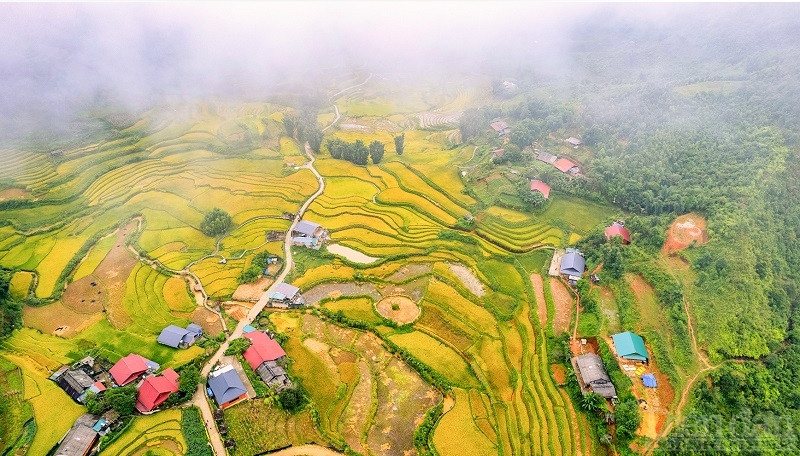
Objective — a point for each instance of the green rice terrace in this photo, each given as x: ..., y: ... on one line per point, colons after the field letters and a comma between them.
x: 431, y: 323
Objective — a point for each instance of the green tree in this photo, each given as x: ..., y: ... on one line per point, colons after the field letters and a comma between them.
x: 471, y: 123
x: 94, y: 404
x: 250, y: 274
x: 122, y: 399
x: 360, y: 153
x: 216, y: 222
x: 10, y: 309
x: 399, y: 143
x: 336, y: 147
x: 237, y: 346
x: 513, y: 153
x: 290, y: 124
x: 189, y: 379
x: 592, y: 402
x: 292, y: 400
x: 376, y: 149
x: 314, y: 137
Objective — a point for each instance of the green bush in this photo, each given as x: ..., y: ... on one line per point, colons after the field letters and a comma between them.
x: 195, y: 433
x: 216, y: 222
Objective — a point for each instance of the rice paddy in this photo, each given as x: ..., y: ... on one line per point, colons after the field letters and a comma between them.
x: 481, y: 340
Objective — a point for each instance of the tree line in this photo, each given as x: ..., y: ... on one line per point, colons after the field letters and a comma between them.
x: 356, y: 152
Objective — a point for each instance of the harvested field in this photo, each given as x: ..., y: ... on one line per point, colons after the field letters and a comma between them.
x: 351, y: 254
x: 58, y: 319
x: 237, y: 309
x: 563, y: 302
x: 541, y: 304
x: 252, y: 291
x: 208, y: 320
x: 415, y: 289
x: 686, y: 230
x: 336, y: 290
x: 400, y: 309
x: 468, y: 278
x: 409, y: 271
x: 13, y: 193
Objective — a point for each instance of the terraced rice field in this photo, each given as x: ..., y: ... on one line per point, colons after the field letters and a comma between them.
x: 159, y: 433
x: 165, y: 174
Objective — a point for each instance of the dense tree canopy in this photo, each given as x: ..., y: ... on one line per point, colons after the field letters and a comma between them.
x: 10, y: 309
x: 216, y: 222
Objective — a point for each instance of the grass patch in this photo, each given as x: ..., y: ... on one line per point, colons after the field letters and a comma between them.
x: 439, y: 356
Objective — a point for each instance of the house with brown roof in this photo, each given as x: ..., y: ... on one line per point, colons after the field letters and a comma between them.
x: 501, y: 128
x: 81, y: 439
x: 592, y: 375
x: 541, y: 187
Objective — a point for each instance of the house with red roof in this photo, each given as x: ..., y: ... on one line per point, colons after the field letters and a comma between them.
x: 566, y: 165
x: 541, y: 187
x: 128, y: 369
x: 155, y: 390
x: 262, y: 349
x: 617, y: 229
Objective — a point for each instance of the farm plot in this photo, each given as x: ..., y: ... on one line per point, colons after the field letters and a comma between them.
x: 15, y: 413
x: 457, y: 432
x: 159, y: 433
x: 364, y: 395
x: 259, y: 426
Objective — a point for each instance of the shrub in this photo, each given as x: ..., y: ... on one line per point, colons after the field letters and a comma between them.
x: 292, y: 400
x: 195, y: 433
x: 237, y: 346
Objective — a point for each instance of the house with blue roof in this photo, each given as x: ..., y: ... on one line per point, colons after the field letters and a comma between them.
x: 573, y: 264
x: 630, y: 346
x: 177, y: 337
x: 226, y: 387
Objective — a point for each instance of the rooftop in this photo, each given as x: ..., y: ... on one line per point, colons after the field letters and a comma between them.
x: 306, y: 228
x: 630, y: 346
x: 541, y: 187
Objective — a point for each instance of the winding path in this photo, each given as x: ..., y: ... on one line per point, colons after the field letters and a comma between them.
x: 199, y: 399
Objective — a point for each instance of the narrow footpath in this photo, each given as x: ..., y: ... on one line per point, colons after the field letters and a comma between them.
x: 199, y: 399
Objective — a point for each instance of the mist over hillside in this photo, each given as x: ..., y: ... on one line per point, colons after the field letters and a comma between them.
x: 57, y: 60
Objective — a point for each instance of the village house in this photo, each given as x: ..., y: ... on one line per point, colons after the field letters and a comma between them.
x: 567, y: 166
x: 155, y: 390
x: 546, y: 157
x: 630, y: 346
x: 81, y: 439
x: 226, y: 387
x: 573, y: 265
x: 618, y: 229
x: 574, y: 142
x: 501, y: 128
x: 75, y: 382
x: 285, y: 295
x: 309, y: 234
x: 592, y: 376
x: 541, y: 187
x: 131, y: 368
x: 177, y: 337
x: 262, y: 356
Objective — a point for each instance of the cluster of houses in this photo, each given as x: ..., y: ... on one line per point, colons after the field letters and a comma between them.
x: 309, y: 234
x: 565, y: 165
x: 92, y: 375
x: 592, y: 375
x: 263, y: 355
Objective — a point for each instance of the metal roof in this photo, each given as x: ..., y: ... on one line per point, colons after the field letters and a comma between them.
x: 306, y: 228
x: 172, y: 336
x: 225, y: 384
x: 630, y: 346
x: 573, y: 263
x: 287, y: 290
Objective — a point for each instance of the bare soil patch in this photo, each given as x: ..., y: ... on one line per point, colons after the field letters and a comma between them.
x: 336, y: 290
x: 409, y: 271
x: 208, y: 320
x: 685, y: 230
x: 559, y: 374
x: 252, y: 291
x: 468, y: 279
x: 563, y: 306
x: 58, y: 319
x: 399, y: 309
x: 13, y: 193
x: 414, y: 289
x: 237, y: 309
x: 541, y: 304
